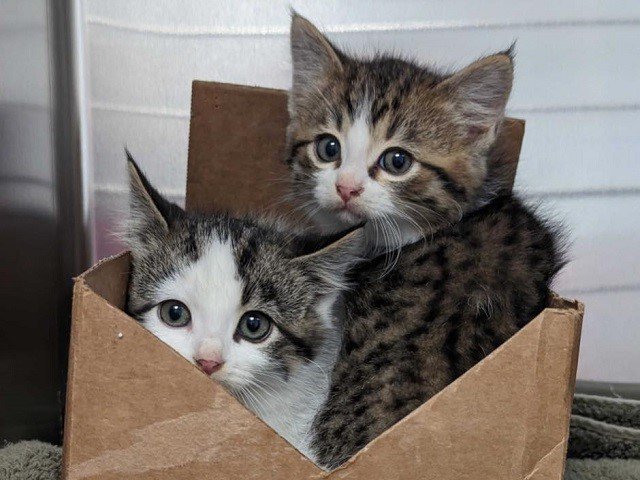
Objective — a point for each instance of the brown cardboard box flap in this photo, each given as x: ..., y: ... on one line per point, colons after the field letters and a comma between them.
x: 237, y: 149
x: 512, y: 406
x: 137, y: 410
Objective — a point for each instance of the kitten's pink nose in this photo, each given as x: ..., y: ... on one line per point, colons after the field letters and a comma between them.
x: 348, y: 191
x: 209, y: 366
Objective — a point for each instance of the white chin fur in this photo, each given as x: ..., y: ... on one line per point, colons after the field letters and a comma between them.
x: 396, y: 233
x: 328, y: 221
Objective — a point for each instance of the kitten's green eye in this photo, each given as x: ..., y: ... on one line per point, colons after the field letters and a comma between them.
x: 254, y: 326
x: 175, y: 313
x: 328, y: 148
x: 395, y: 161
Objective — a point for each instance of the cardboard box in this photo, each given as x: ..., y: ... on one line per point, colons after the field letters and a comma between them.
x: 137, y: 410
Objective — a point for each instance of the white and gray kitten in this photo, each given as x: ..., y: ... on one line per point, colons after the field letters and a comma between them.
x: 243, y: 300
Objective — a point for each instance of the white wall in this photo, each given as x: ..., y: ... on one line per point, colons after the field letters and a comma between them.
x: 577, y: 73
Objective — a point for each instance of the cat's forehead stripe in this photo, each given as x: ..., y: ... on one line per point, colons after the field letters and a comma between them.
x: 378, y: 108
x: 190, y: 243
x: 338, y: 118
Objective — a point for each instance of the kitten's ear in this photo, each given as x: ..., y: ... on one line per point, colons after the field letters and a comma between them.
x: 334, y: 257
x: 150, y: 214
x: 481, y: 91
x: 313, y: 56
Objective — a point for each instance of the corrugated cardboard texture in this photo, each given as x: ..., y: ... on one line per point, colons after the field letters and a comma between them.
x: 137, y: 410
x: 237, y: 149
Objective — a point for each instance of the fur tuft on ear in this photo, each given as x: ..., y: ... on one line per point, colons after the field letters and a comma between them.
x: 150, y: 214
x: 313, y: 57
x: 334, y: 258
x: 481, y: 91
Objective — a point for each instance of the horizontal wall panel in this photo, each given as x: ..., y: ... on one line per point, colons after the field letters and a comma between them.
x: 247, y: 16
x: 557, y: 67
x: 603, y: 240
x: 568, y: 152
x: 158, y: 144
x: 563, y: 153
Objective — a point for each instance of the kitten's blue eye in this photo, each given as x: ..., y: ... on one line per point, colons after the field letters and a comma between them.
x: 174, y: 313
x: 254, y: 326
x: 328, y: 148
x: 395, y: 161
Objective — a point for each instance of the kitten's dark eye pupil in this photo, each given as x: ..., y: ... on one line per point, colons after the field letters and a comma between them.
x: 253, y: 324
x: 398, y: 160
x: 332, y: 148
x: 175, y: 312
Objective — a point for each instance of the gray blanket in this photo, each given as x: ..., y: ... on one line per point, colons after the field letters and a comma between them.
x: 604, y: 440
x: 30, y: 460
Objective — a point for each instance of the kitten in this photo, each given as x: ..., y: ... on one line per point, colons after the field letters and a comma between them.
x: 249, y: 304
x: 405, y: 148
x: 388, y: 141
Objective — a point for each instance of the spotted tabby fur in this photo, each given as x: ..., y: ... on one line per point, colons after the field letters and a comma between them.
x: 447, y: 304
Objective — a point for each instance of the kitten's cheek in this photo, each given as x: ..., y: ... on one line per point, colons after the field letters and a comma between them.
x: 325, y: 190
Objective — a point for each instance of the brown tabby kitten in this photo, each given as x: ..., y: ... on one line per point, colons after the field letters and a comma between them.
x: 387, y: 141
x: 405, y: 149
